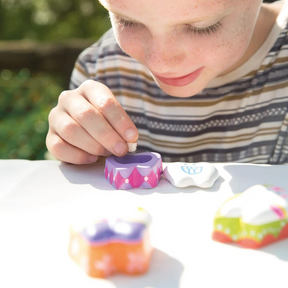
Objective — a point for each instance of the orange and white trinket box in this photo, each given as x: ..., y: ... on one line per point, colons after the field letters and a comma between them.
x: 112, y: 244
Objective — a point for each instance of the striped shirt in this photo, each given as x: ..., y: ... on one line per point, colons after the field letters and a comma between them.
x: 239, y: 117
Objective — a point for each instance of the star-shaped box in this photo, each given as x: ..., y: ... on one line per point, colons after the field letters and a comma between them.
x: 118, y: 243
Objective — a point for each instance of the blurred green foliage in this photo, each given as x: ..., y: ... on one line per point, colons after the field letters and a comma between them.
x: 52, y: 20
x: 26, y: 99
x: 25, y: 103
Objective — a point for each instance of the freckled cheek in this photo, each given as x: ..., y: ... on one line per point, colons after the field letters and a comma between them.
x: 131, y: 44
x: 228, y: 52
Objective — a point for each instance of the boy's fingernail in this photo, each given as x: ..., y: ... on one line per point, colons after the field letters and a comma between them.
x: 92, y: 158
x: 120, y: 148
x: 130, y: 134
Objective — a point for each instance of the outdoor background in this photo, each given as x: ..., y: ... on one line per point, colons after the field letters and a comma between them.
x: 39, y: 42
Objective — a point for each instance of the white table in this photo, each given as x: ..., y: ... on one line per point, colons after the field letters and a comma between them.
x: 38, y: 199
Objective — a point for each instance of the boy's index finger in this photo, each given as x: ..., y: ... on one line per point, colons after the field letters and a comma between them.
x: 101, y: 97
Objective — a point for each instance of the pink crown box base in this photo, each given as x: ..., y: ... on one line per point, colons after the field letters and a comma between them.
x: 142, y: 170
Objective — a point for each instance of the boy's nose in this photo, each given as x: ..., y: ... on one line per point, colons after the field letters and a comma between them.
x: 163, y: 56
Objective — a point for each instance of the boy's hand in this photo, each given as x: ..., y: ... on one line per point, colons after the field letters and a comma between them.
x: 88, y: 122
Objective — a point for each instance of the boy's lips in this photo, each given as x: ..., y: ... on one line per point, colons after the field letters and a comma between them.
x: 180, y: 81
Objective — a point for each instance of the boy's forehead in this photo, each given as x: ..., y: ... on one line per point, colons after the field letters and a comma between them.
x: 198, y: 10
x: 166, y: 3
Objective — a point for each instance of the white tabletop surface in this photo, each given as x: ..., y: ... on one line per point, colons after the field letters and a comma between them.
x: 39, y: 199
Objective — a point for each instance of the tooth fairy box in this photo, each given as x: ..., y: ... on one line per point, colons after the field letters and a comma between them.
x: 255, y: 218
x: 118, y: 243
x: 142, y: 170
x: 200, y: 174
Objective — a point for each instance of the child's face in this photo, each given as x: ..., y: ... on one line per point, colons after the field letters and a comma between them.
x: 184, y: 43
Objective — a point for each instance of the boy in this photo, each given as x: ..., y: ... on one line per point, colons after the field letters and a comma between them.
x: 194, y: 80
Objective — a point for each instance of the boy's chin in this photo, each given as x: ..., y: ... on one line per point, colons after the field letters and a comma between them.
x: 181, y: 92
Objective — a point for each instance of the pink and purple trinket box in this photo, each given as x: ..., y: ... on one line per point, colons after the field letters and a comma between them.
x: 142, y: 170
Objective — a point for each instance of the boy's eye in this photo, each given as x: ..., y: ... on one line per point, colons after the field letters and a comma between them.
x: 122, y: 23
x: 204, y: 31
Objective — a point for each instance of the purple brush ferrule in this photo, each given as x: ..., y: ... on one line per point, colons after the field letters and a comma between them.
x: 142, y: 170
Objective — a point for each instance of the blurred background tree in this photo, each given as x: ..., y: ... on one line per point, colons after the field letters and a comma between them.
x: 52, y: 20
x: 27, y: 96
